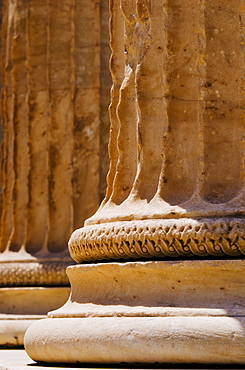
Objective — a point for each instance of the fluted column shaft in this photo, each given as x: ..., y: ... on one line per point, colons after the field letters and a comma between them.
x: 176, y: 180
x: 53, y: 70
x: 175, y: 190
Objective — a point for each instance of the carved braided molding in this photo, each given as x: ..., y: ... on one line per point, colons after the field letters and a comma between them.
x: 159, y: 238
x: 33, y: 274
x: 173, y: 153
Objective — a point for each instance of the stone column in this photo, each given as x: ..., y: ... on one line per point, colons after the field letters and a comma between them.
x: 52, y: 175
x: 175, y: 196
x: 176, y: 182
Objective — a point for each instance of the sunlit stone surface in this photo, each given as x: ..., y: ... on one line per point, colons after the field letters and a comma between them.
x: 175, y: 196
x: 176, y: 180
x: 54, y: 96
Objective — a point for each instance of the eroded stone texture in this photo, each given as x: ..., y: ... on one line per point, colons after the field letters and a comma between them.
x: 147, y: 312
x: 175, y: 189
x: 54, y: 67
x: 21, y: 306
x: 176, y: 179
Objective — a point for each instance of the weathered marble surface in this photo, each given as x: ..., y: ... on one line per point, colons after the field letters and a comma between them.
x: 54, y: 124
x: 147, y: 312
x: 55, y: 93
x: 22, y: 306
x: 176, y: 179
x: 175, y: 189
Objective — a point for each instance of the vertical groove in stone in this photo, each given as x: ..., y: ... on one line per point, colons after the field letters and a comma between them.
x: 61, y: 125
x: 201, y: 69
x: 8, y: 177
x: 38, y: 106
x: 54, y: 64
x: 117, y: 69
x: 20, y: 124
x: 105, y: 85
x: 2, y: 38
x: 182, y: 135
x: 242, y: 87
x: 127, y: 130
x: 86, y: 110
x: 151, y: 88
x: 222, y: 179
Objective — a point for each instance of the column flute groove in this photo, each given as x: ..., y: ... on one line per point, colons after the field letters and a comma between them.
x: 51, y: 164
x: 54, y: 57
x: 183, y: 109
x: 171, y: 226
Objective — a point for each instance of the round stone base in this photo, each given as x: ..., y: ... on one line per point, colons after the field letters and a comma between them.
x: 138, y: 339
x: 146, y: 312
x: 13, y: 328
x: 20, y: 307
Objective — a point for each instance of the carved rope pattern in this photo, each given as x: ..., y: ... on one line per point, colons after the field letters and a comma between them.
x: 33, y: 274
x: 159, y: 238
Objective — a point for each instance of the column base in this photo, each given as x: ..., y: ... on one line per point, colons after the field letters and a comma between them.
x: 159, y: 238
x: 13, y: 328
x: 21, y: 307
x: 146, y: 312
x: 139, y: 339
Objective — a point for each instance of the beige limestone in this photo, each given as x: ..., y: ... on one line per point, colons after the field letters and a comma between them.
x: 31, y: 300
x: 175, y: 190
x: 13, y: 328
x: 176, y: 180
x: 52, y: 112
x: 182, y: 311
x: 55, y: 82
x: 153, y: 288
x: 22, y: 306
x: 144, y: 340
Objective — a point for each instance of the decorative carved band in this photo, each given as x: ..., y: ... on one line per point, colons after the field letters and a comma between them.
x: 159, y: 238
x: 33, y: 274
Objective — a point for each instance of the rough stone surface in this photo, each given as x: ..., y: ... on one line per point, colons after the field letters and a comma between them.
x: 31, y: 300
x: 54, y: 99
x: 141, y: 339
x: 176, y: 179
x: 175, y: 184
x: 20, y: 307
x: 168, y: 312
x: 156, y: 288
x: 42, y: 272
x: 183, y: 237
x: 54, y: 125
